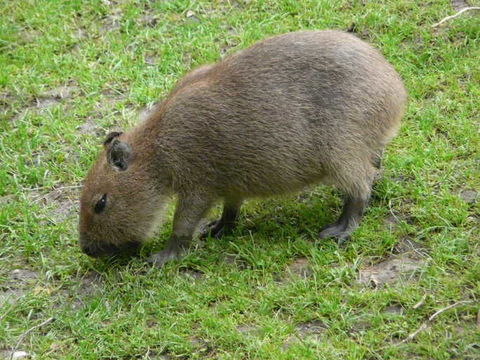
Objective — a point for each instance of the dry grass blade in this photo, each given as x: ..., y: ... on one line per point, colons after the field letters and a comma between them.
x: 420, y: 303
x: 20, y: 339
x: 430, y: 319
x: 455, y: 15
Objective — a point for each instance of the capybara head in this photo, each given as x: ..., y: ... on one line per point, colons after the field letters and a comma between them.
x: 119, y: 205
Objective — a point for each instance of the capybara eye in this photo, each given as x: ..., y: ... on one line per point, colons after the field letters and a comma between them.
x: 100, y: 205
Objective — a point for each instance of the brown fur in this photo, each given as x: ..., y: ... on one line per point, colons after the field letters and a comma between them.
x: 290, y: 111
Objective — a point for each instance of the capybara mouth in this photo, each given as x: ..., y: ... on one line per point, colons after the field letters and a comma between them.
x: 130, y: 248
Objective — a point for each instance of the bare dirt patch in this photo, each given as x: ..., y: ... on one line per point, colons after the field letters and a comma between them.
x: 361, y: 32
x: 89, y: 285
x: 111, y: 22
x: 394, y: 309
x: 247, y: 329
x: 300, y: 268
x: 192, y: 273
x: 61, y: 202
x: 18, y: 282
x: 151, y: 60
x: 6, y: 199
x: 6, y: 101
x: 235, y: 260
x: 311, y: 330
x: 469, y: 196
x: 66, y: 91
x: 43, y: 103
x: 90, y: 127
x: 459, y: 4
x: 110, y: 97
x: 54, y: 96
x: 48, y: 99
x: 230, y: 259
x: 393, y: 220
x: 390, y: 271
x: 200, y: 346
x: 164, y: 356
x: 109, y: 104
x: 360, y: 325
x: 23, y: 275
x: 149, y: 20
x: 230, y: 41
x: 408, y: 246
x: 10, y: 296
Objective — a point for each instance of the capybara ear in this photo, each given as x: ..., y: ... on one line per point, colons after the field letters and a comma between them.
x: 111, y: 136
x: 119, y: 154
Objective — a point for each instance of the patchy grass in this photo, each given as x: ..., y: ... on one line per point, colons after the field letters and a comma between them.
x: 71, y: 70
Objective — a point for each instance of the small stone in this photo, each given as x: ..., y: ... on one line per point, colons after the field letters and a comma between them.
x: 394, y: 309
x: 20, y: 355
x: 469, y: 196
x: 9, y: 355
x: 191, y: 16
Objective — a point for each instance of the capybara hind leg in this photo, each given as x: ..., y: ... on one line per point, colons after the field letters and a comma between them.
x: 349, y: 219
x: 357, y: 185
x: 227, y: 221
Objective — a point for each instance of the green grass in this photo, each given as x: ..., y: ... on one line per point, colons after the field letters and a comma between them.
x: 270, y: 291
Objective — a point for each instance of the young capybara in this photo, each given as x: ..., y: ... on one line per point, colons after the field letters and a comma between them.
x: 290, y: 111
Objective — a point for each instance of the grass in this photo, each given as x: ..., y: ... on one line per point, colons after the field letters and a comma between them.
x: 71, y: 70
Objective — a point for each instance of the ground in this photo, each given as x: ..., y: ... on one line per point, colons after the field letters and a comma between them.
x: 72, y: 70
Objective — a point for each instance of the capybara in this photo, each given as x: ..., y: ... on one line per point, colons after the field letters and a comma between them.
x: 290, y: 111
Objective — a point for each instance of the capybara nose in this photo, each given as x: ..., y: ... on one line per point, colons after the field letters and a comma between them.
x: 86, y: 249
x: 100, y: 250
x: 89, y: 251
